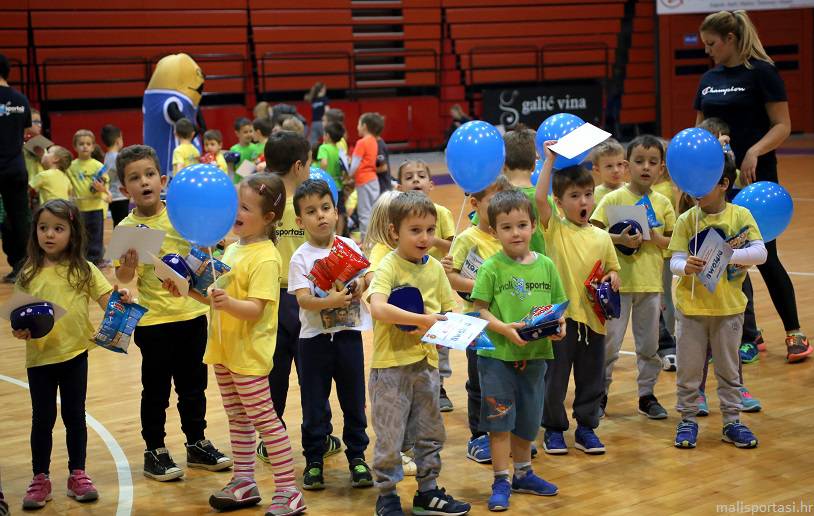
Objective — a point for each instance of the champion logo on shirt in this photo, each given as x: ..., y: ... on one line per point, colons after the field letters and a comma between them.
x: 723, y: 91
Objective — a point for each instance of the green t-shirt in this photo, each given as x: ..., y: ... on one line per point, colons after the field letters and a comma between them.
x: 537, y: 243
x: 512, y: 289
x: 330, y: 152
x: 247, y: 152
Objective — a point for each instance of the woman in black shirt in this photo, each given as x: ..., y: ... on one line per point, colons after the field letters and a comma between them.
x: 746, y: 91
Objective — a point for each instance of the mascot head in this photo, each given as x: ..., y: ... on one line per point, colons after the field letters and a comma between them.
x: 178, y: 72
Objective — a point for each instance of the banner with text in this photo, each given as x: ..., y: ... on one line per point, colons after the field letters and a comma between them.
x: 532, y: 105
x: 711, y: 6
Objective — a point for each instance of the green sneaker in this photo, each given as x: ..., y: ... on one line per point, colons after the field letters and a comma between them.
x: 312, y: 478
x: 748, y: 352
x: 360, y: 475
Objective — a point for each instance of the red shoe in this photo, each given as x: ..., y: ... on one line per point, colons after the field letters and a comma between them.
x: 760, y: 343
x: 797, y: 347
x: 38, y: 492
x: 80, y: 487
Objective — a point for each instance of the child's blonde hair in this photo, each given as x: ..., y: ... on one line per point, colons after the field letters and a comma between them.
x: 62, y: 157
x: 293, y: 124
x: 378, y: 229
x: 81, y: 134
x: 610, y: 147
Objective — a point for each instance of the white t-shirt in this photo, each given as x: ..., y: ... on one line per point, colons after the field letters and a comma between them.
x: 354, y: 317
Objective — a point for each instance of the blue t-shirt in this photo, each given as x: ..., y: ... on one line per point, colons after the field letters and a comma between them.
x: 318, y: 108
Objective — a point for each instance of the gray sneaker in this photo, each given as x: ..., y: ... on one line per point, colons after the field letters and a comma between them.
x: 239, y: 492
x: 444, y: 403
x: 650, y: 407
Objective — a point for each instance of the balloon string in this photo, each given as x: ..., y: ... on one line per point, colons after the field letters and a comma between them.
x: 695, y: 251
x: 215, y: 314
x: 458, y: 224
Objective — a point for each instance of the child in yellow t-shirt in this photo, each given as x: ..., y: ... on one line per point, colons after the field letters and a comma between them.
x: 608, y: 160
x: 213, y: 143
x: 575, y: 246
x: 712, y: 320
x: 641, y: 272
x: 172, y: 334
x: 185, y: 154
x: 57, y: 272
x: 379, y: 240
x: 416, y: 175
x: 404, y: 379
x: 53, y: 181
x: 90, y: 189
x: 242, y: 343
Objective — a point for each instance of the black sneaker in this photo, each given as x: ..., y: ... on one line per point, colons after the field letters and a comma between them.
x: 332, y: 446
x: 312, y: 478
x: 650, y: 407
x: 389, y: 505
x: 360, y: 475
x: 444, y: 403
x: 205, y: 456
x: 438, y: 502
x: 158, y: 465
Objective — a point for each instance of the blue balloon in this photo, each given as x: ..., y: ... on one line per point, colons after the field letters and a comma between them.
x: 320, y: 175
x: 475, y: 155
x: 202, y: 204
x: 695, y: 161
x: 771, y: 206
x: 554, y: 128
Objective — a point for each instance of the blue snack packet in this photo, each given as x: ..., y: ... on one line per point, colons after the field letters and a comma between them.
x: 652, y: 221
x: 200, y: 264
x: 118, y: 325
x: 482, y: 341
x: 543, y: 321
x: 98, y: 176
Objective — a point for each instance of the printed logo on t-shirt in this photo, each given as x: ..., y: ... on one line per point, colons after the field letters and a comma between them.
x: 289, y: 232
x: 722, y: 91
x: 7, y: 109
x: 520, y: 288
x: 738, y: 241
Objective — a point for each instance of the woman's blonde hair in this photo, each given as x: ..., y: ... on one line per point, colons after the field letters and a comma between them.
x: 378, y: 229
x: 739, y: 25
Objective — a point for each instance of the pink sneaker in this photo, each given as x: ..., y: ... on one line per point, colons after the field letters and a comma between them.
x: 38, y: 492
x: 286, y: 503
x: 80, y: 487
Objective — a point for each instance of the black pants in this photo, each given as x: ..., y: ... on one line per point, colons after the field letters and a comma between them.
x: 585, y: 350
x: 119, y: 210
x: 71, y: 378
x: 172, y: 352
x: 473, y: 396
x: 750, y: 331
x: 385, y: 181
x: 17, y: 225
x: 667, y: 343
x: 340, y: 357
x: 94, y: 222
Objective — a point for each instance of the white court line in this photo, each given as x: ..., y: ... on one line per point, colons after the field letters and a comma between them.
x: 631, y: 353
x: 125, y: 507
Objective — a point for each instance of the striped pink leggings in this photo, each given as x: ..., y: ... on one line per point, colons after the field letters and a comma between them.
x: 248, y: 405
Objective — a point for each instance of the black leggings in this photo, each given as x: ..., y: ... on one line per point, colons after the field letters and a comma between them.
x: 71, y: 377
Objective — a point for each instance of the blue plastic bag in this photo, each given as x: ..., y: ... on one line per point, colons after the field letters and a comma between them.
x: 119, y: 323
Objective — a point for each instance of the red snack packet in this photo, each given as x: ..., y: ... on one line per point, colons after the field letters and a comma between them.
x: 342, y: 264
x: 591, y: 283
x: 208, y: 158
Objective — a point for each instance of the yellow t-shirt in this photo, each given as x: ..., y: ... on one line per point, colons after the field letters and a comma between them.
x: 472, y: 238
x: 185, y: 155
x: 728, y: 298
x: 575, y: 250
x: 289, y: 237
x: 247, y: 347
x: 220, y: 161
x: 391, y: 346
x: 600, y: 191
x: 377, y: 254
x: 51, y: 184
x: 444, y: 229
x: 666, y: 189
x: 72, y: 332
x: 641, y: 271
x: 81, y: 174
x: 163, y: 307
x: 33, y: 164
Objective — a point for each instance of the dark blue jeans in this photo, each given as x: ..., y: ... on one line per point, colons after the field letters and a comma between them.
x: 94, y: 222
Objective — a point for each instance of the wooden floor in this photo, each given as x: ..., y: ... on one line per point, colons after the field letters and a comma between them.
x: 641, y: 472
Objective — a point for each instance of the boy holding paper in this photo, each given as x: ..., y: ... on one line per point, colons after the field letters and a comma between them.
x: 171, y: 336
x: 512, y: 376
x: 712, y: 318
x: 641, y: 271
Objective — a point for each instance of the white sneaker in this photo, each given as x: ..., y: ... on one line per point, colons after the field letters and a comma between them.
x: 668, y: 362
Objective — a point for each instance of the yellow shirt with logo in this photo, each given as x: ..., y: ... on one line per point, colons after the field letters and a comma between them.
x: 641, y: 271
x: 472, y: 238
x: 51, y: 184
x: 71, y: 335
x: 247, y: 347
x: 575, y: 250
x: 185, y: 155
x: 289, y: 237
x: 163, y: 307
x: 81, y: 174
x: 444, y: 229
x: 728, y: 298
x: 391, y: 346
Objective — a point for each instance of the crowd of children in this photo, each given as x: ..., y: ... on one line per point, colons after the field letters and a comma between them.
x: 524, y: 248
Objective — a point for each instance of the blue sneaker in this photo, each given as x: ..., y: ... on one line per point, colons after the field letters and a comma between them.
x: 749, y: 353
x: 532, y: 484
x: 436, y: 502
x: 686, y: 434
x: 749, y: 403
x: 389, y: 505
x: 703, y: 408
x: 479, y: 450
x: 586, y: 440
x: 737, y: 434
x: 554, y: 443
x: 501, y: 491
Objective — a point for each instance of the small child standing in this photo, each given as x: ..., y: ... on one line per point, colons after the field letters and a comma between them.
x: 404, y: 381
x: 512, y: 376
x: 92, y: 194
x: 244, y: 146
x: 363, y: 167
x: 575, y: 246
x: 330, y: 341
x: 119, y: 205
x: 213, y: 143
x: 328, y: 158
x: 185, y: 154
x: 608, y: 159
x: 53, y: 181
x: 711, y: 319
x: 641, y: 272
x: 57, y: 272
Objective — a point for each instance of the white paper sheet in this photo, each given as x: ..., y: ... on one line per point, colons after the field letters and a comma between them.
x: 19, y: 299
x: 37, y: 141
x: 638, y: 213
x: 145, y: 241
x: 579, y: 140
x: 246, y: 169
x: 457, y: 332
x: 164, y: 271
x: 716, y: 253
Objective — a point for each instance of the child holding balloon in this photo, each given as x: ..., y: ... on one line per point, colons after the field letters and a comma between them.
x: 712, y: 320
